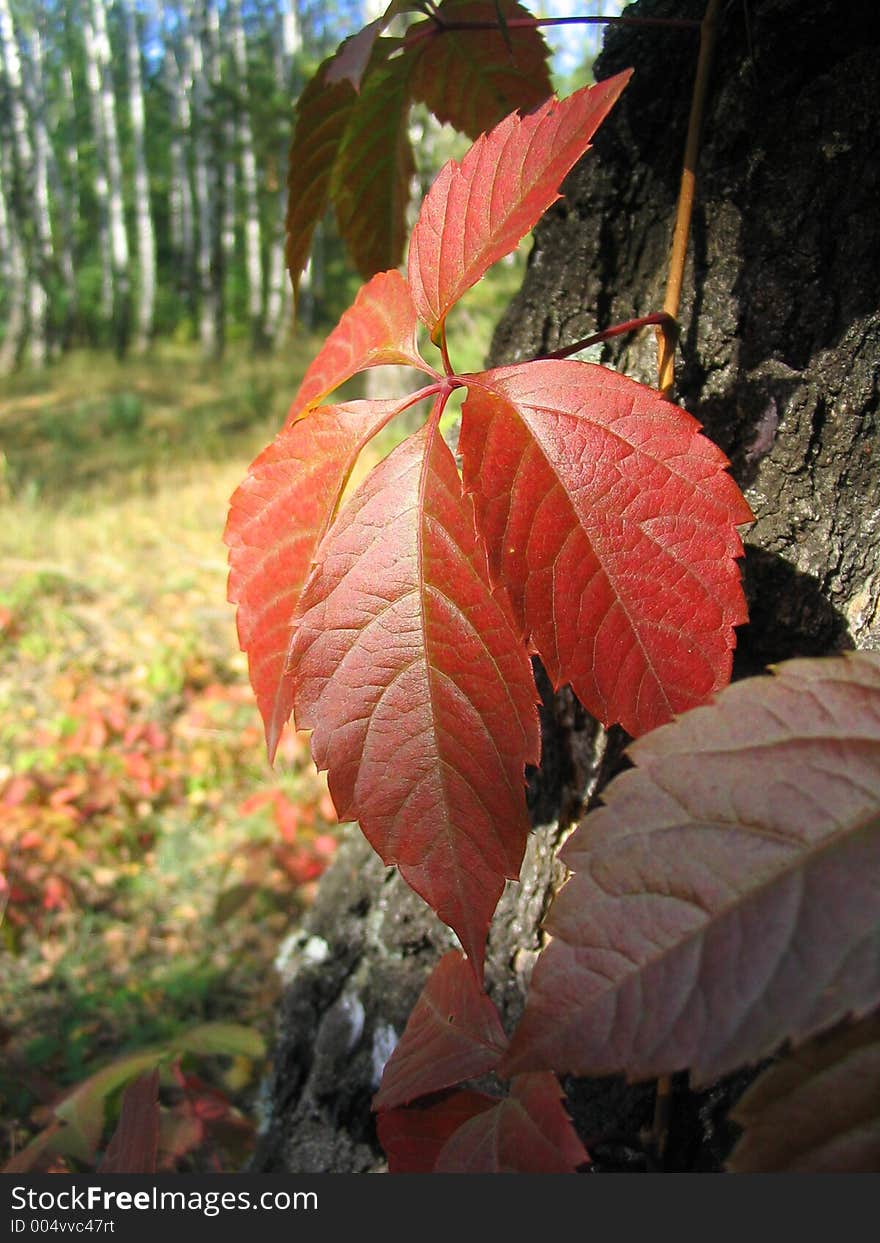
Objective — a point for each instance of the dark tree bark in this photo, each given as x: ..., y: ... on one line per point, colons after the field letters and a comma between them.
x: 779, y: 358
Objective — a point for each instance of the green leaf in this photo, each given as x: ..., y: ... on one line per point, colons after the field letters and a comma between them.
x: 374, y: 166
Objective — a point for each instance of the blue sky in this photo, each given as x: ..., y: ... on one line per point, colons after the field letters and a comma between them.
x: 571, y: 43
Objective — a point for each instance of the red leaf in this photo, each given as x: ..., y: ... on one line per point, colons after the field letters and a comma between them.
x: 322, y: 114
x: 419, y: 694
x: 473, y: 78
x: 412, y: 1139
x: 612, y: 523
x: 276, y: 519
x: 380, y: 327
x: 478, y: 211
x: 454, y: 1033
x: 528, y: 1132
x: 135, y: 1142
x: 727, y: 897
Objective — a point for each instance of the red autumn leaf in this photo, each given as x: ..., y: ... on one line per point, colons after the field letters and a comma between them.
x: 134, y: 1144
x: 276, y: 519
x: 471, y: 79
x: 379, y: 328
x: 727, y: 897
x: 453, y: 1034
x: 528, y: 1132
x: 412, y: 1139
x: 421, y: 699
x: 611, y: 521
x: 322, y: 113
x: 477, y: 212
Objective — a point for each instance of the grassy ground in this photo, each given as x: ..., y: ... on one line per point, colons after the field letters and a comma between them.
x: 150, y: 861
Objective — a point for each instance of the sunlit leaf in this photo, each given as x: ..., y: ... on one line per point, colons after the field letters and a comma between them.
x: 477, y: 211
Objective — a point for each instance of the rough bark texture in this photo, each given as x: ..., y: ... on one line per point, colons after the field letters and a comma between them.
x: 779, y: 359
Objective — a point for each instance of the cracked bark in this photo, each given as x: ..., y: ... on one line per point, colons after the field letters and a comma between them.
x: 780, y: 359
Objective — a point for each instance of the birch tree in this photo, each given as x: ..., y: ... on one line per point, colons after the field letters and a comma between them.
x: 252, y: 239
x: 146, y: 238
x: 101, y: 183
x: 279, y: 294
x: 208, y: 251
x: 178, y: 80
x: 12, y: 269
x: 119, y: 250
x: 31, y: 158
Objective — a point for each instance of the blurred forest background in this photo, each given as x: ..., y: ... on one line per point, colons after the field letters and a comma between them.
x: 151, y: 864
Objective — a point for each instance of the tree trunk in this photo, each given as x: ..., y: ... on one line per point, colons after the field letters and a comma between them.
x: 209, y: 254
x: 779, y: 358
x: 178, y: 75
x: 101, y: 183
x: 30, y: 142
x: 12, y: 259
x: 279, y: 291
x: 253, y: 256
x: 146, y: 236
x: 119, y: 251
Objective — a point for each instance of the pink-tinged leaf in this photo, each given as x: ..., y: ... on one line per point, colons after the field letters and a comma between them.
x: 420, y: 696
x: 478, y: 211
x: 453, y: 1034
x: 134, y: 1144
x: 276, y: 519
x: 472, y: 79
x: 378, y: 328
x: 351, y: 58
x: 612, y: 523
x: 374, y: 167
x: 321, y: 117
x: 528, y: 1132
x: 727, y: 897
x: 816, y: 1111
x: 412, y: 1139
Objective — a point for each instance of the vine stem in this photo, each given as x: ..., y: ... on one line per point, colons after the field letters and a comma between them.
x: 665, y: 339
x: 513, y: 23
x: 659, y: 318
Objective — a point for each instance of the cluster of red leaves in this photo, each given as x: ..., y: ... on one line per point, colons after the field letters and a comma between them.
x: 101, y: 763
x: 97, y: 779
x: 588, y: 521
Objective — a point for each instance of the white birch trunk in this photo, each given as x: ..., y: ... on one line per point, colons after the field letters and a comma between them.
x: 252, y: 239
x: 118, y: 235
x: 63, y: 168
x: 279, y: 292
x: 101, y: 181
x: 13, y: 271
x: 31, y: 160
x: 146, y: 237
x: 178, y: 76
x: 208, y: 250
